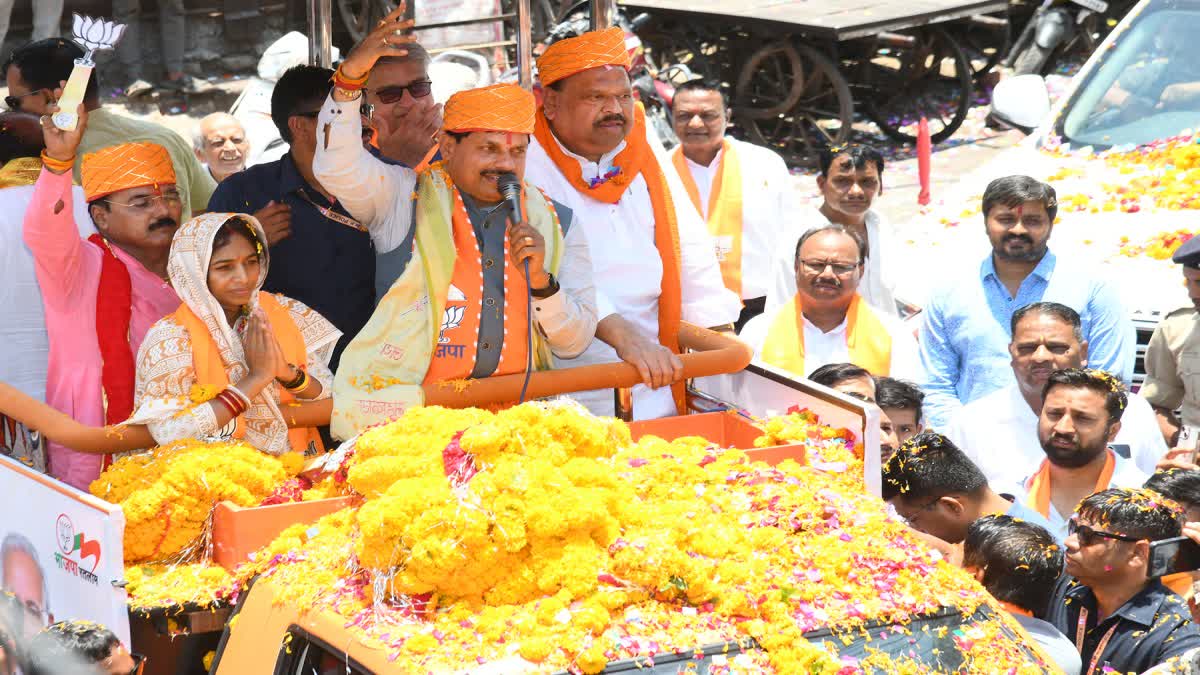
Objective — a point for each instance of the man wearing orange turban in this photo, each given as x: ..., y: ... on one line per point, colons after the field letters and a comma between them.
x: 101, y: 294
x: 459, y: 310
x: 652, y: 255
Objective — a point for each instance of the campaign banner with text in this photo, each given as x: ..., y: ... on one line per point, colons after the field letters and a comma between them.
x: 61, y: 550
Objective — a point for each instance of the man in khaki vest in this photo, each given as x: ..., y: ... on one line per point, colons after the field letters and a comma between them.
x: 1173, y: 357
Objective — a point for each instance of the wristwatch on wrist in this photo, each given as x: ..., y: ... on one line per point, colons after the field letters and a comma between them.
x: 550, y: 289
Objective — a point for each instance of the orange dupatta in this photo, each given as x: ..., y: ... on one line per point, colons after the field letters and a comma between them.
x: 867, y: 338
x: 724, y: 214
x: 1039, y: 484
x: 636, y: 158
x: 210, y: 370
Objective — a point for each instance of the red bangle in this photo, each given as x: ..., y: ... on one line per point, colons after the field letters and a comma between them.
x: 221, y: 399
x: 232, y: 402
x: 343, y: 81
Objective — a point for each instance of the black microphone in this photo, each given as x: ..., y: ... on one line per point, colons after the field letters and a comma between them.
x: 510, y: 187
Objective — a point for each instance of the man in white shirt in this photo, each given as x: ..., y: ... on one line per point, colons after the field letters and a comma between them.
x: 652, y: 256
x: 826, y: 320
x: 851, y: 178
x: 999, y: 431
x: 1081, y: 415
x: 743, y: 191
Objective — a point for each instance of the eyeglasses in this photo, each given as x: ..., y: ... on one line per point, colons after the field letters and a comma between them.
x: 839, y: 269
x: 417, y: 89
x: 14, y: 102
x: 1089, y: 535
x: 916, y: 515
x: 149, y: 201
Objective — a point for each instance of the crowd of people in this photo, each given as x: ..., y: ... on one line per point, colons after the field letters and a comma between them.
x: 145, y: 282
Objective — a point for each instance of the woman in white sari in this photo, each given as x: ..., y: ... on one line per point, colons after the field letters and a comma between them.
x: 233, y: 359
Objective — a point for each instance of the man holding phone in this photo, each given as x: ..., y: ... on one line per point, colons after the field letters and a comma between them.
x: 1119, y: 617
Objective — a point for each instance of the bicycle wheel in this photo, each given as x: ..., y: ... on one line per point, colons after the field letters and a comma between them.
x: 791, y: 98
x: 930, y: 78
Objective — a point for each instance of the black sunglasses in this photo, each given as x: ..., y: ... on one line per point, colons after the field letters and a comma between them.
x: 1088, y: 535
x: 14, y: 102
x: 418, y: 89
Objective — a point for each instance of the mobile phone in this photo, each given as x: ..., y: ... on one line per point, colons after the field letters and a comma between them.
x: 1170, y: 556
x: 1189, y: 438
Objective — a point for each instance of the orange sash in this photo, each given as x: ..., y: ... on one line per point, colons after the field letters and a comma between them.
x: 1039, y: 484
x: 724, y: 213
x: 210, y: 370
x: 867, y: 338
x: 636, y: 158
x: 458, y: 340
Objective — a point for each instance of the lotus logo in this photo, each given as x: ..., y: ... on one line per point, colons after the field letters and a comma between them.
x: 96, y: 34
x: 453, y: 317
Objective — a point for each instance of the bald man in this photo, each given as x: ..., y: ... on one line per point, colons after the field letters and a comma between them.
x: 221, y: 145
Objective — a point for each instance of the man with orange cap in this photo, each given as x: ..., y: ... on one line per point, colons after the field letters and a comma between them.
x: 480, y: 296
x: 101, y: 293
x: 653, y: 257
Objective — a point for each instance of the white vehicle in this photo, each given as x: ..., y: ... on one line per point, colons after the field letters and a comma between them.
x: 1119, y: 147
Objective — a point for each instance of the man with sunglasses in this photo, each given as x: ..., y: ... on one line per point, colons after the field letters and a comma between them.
x: 1119, y: 619
x: 404, y: 112
x: 1080, y: 416
x: 35, y: 71
x: 82, y: 647
x: 320, y: 254
x: 102, y: 292
x: 826, y: 320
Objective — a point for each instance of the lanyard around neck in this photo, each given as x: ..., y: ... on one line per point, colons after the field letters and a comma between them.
x: 1081, y: 630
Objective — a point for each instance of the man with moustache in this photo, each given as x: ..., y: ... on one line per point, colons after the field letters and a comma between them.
x: 1081, y: 415
x: 652, y: 253
x: 1121, y: 620
x: 459, y: 311
x: 1173, y: 356
x: 103, y: 292
x: 320, y: 254
x: 827, y: 321
x: 999, y: 432
x: 743, y: 191
x: 221, y: 145
x: 851, y: 179
x: 966, y: 329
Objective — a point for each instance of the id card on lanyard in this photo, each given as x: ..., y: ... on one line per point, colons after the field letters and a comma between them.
x: 1081, y: 630
x: 331, y: 214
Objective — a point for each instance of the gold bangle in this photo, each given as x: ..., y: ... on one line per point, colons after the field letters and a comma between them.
x: 303, y: 384
x: 57, y: 165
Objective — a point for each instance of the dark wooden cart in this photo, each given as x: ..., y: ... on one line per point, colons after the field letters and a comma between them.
x: 799, y: 70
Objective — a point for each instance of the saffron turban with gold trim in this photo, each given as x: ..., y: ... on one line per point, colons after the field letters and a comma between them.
x: 500, y: 107
x: 593, y: 49
x: 125, y: 166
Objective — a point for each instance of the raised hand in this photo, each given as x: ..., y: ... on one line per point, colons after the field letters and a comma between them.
x: 390, y: 37
x: 62, y: 145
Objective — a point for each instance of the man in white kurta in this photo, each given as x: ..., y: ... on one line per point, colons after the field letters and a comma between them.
x: 591, y: 153
x: 999, y: 431
x: 826, y: 320
x: 743, y: 191
x: 851, y: 179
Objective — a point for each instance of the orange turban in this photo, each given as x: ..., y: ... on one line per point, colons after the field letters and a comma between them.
x: 591, y: 50
x: 125, y: 166
x: 500, y: 107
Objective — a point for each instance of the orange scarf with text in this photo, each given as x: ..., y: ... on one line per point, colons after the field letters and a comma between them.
x: 210, y: 370
x: 867, y: 338
x: 1039, y: 484
x: 636, y: 158
x: 724, y: 211
x: 458, y: 340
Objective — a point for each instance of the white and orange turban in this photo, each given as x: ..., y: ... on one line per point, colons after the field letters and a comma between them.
x: 500, y: 107
x: 125, y: 166
x: 593, y: 49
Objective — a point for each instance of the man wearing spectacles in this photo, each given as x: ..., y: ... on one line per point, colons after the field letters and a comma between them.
x: 101, y: 292
x: 1119, y: 619
x: 83, y: 647
x: 404, y: 112
x: 320, y: 254
x: 826, y: 320
x: 1081, y: 414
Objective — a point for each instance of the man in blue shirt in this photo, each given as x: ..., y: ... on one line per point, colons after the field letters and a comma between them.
x: 965, y: 332
x: 320, y: 255
x: 940, y: 491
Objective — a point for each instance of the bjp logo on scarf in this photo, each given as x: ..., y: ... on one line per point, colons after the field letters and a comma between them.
x: 453, y: 316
